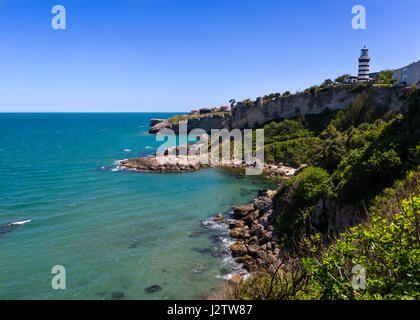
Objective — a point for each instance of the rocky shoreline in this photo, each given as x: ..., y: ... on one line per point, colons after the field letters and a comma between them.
x: 175, y: 162
x: 254, y: 228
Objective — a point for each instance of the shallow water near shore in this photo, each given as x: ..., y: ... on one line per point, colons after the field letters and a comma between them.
x: 116, y: 232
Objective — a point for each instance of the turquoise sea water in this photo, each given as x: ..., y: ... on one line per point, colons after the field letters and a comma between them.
x: 115, y: 232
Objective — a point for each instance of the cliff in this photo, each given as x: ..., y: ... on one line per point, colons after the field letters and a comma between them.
x: 251, y: 115
x: 205, y: 122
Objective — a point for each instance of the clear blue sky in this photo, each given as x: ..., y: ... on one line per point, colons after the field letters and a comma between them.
x: 174, y: 55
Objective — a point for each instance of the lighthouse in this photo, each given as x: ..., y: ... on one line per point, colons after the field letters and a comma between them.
x: 364, y: 60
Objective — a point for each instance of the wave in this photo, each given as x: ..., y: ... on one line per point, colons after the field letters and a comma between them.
x: 229, y: 265
x: 17, y: 223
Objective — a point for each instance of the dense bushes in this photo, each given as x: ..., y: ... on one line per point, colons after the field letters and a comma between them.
x: 293, y: 202
x: 388, y: 250
x: 386, y: 246
x: 358, y: 158
x: 362, y: 152
x: 289, y: 141
x: 310, y: 185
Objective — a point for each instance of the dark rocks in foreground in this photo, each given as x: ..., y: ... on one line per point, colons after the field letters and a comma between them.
x: 256, y: 246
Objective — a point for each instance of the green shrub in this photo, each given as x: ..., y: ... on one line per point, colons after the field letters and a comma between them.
x: 310, y: 185
x: 297, y: 198
x: 388, y: 250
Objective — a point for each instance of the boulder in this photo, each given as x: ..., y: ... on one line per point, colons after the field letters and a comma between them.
x: 264, y: 220
x: 245, y: 234
x: 253, y: 240
x: 238, y: 249
x: 266, y: 237
x: 262, y: 255
x: 236, y: 224
x: 241, y: 211
x: 257, y: 230
x: 271, y: 259
x: 262, y: 203
x: 235, y: 233
x: 243, y: 258
x: 235, y: 280
x: 218, y: 217
x: 251, y: 217
x: 253, y: 250
x: 251, y: 265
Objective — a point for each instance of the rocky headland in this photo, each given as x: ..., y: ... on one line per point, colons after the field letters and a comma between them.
x: 176, y: 163
x: 205, y: 122
x: 259, y: 112
x: 253, y: 114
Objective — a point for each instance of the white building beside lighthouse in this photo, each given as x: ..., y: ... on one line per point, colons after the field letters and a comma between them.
x: 364, y: 60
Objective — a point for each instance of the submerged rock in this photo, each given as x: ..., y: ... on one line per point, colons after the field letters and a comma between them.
x: 117, y: 295
x: 154, y: 288
x: 135, y: 244
x: 204, y: 250
x: 197, y: 269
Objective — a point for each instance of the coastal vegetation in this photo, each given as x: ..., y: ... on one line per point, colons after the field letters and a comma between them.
x: 367, y: 160
x: 178, y: 118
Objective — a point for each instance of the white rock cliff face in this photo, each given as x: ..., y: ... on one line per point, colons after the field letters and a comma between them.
x: 256, y: 114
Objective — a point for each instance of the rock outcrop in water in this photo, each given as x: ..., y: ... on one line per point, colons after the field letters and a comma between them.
x: 12, y: 226
x: 205, y: 122
x: 155, y: 121
x: 175, y: 162
x: 151, y: 164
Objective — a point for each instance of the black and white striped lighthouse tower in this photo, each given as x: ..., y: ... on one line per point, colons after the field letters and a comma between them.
x: 364, y: 60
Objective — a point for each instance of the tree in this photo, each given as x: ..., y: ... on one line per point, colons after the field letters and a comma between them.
x: 232, y: 103
x: 386, y: 77
x: 327, y: 83
x: 286, y: 93
x: 341, y: 79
